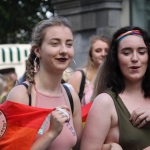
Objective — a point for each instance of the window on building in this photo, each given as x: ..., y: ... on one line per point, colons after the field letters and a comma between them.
x: 140, y: 13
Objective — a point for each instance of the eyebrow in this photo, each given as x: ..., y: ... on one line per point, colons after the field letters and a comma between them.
x: 129, y: 48
x: 59, y: 39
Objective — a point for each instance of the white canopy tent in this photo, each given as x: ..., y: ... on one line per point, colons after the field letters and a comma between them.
x: 14, y: 56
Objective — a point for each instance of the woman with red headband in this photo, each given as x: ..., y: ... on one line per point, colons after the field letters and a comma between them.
x: 121, y: 110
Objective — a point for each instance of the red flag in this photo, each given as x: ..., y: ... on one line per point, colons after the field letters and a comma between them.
x: 19, y: 125
x: 85, y: 111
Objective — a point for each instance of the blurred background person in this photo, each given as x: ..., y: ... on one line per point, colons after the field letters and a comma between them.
x: 82, y: 79
x: 10, y: 83
x: 67, y: 74
x: 11, y: 72
x: 3, y: 85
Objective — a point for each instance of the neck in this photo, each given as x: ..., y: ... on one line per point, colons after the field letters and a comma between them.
x: 133, y: 87
x: 91, y: 74
x: 48, y: 82
x: 96, y: 67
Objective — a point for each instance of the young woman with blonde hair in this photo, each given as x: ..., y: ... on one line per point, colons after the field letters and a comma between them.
x: 82, y: 79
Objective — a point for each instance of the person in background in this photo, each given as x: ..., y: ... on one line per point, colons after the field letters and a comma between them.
x: 51, y: 53
x: 82, y: 79
x: 121, y: 109
x: 10, y: 83
x: 14, y: 76
x: 10, y: 72
x: 3, y: 85
x: 66, y: 76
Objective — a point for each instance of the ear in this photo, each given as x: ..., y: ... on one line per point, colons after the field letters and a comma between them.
x: 36, y: 51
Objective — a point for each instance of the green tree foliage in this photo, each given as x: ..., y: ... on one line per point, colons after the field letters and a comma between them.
x: 18, y: 17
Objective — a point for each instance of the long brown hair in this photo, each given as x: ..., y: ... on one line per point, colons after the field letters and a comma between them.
x: 110, y: 75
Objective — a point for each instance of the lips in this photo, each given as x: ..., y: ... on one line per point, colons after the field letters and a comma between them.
x: 134, y: 67
x: 62, y: 59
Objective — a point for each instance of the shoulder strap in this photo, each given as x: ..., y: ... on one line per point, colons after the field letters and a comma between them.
x: 30, y: 101
x: 70, y: 97
x: 82, y: 85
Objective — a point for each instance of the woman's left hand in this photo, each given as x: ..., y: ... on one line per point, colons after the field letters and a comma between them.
x: 140, y: 117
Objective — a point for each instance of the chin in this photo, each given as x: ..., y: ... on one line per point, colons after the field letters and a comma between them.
x: 136, y: 79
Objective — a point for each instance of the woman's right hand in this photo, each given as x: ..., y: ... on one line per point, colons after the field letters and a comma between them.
x: 57, y: 120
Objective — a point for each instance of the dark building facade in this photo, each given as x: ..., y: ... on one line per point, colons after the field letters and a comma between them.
x: 102, y: 17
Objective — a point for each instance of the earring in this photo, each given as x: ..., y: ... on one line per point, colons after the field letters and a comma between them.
x: 74, y: 61
x: 36, y: 67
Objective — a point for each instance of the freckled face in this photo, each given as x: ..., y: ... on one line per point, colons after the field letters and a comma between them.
x: 57, y: 51
x: 99, y: 52
x: 132, y: 57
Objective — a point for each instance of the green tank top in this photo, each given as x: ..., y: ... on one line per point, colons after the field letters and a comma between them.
x: 130, y: 138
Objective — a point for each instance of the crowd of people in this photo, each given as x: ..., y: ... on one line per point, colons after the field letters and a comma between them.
x: 115, y: 79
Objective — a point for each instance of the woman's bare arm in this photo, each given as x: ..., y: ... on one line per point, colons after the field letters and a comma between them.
x: 98, y: 123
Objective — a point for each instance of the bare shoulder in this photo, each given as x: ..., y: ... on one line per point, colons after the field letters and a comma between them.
x: 103, y: 100
x: 76, y: 75
x: 18, y: 94
x: 75, y: 80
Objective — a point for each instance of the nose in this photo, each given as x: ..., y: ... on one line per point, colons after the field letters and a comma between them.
x: 104, y: 53
x: 63, y: 49
x: 134, y: 57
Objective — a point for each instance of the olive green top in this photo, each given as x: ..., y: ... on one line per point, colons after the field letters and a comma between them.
x: 130, y: 138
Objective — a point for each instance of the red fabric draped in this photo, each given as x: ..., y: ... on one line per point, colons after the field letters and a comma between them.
x: 19, y: 125
x: 85, y: 111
